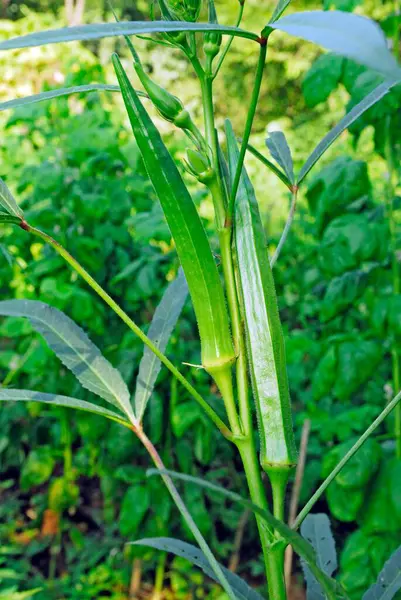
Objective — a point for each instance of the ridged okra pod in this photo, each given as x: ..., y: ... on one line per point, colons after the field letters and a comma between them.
x: 264, y: 335
x: 189, y: 235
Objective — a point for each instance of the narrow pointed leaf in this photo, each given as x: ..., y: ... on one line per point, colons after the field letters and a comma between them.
x: 301, y: 546
x: 316, y: 529
x: 186, y: 228
x: 265, y: 339
x: 78, y: 89
x: 346, y: 34
x: 195, y: 556
x: 8, y: 202
x: 371, y: 99
x: 11, y: 395
x: 97, y: 31
x: 281, y: 153
x: 6, y: 218
x: 75, y: 350
x: 161, y: 328
x: 280, y: 8
x: 267, y: 163
x: 388, y: 581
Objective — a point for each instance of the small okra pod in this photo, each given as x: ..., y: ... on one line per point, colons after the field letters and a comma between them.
x: 264, y: 335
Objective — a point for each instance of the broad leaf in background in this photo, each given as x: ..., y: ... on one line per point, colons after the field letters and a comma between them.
x: 11, y: 395
x: 74, y: 349
x: 8, y: 202
x: 388, y: 581
x: 342, y: 292
x: 316, y: 529
x: 196, y: 557
x: 353, y: 36
x: 347, y: 5
x: 322, y: 78
x: 281, y: 153
x: 160, y: 330
x: 96, y: 31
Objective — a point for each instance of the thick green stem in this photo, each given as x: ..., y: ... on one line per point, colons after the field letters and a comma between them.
x: 131, y: 324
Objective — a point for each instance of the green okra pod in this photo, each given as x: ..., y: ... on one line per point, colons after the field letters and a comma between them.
x: 189, y: 235
x: 265, y: 340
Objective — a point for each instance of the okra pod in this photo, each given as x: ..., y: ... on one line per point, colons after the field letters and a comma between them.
x: 189, y: 235
x: 264, y: 335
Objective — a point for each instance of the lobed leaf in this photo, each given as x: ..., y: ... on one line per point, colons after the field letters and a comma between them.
x: 97, y: 31
x: 316, y: 529
x: 347, y: 34
x: 163, y: 323
x: 280, y: 151
x: 11, y: 395
x: 8, y: 202
x: 388, y: 581
x: 75, y: 350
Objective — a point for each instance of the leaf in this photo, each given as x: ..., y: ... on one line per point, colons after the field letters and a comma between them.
x: 378, y: 93
x: 281, y: 153
x: 37, y: 468
x: 78, y: 89
x: 316, y: 529
x: 388, y: 581
x: 7, y: 395
x: 347, y: 5
x: 135, y: 505
x: 344, y: 506
x: 96, y: 31
x: 353, y: 36
x: 357, y: 360
x: 280, y: 8
x: 322, y: 78
x: 163, y: 323
x: 74, y: 349
x: 187, y: 230
x: 300, y: 545
x: 360, y: 469
x: 343, y: 292
x: 272, y: 167
x: 7, y: 201
x: 196, y: 557
x: 265, y: 340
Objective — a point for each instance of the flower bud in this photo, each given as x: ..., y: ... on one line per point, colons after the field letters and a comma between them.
x: 199, y: 166
x: 185, y: 10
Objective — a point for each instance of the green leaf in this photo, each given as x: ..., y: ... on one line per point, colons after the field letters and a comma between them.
x: 378, y: 516
x: 96, y: 31
x: 6, y: 218
x: 281, y: 153
x: 37, y: 468
x: 388, y: 581
x: 360, y: 469
x: 7, y: 395
x: 377, y: 94
x: 161, y: 328
x: 74, y: 349
x: 347, y: 5
x: 322, y: 78
x: 135, y: 505
x: 343, y: 505
x: 357, y: 360
x: 264, y: 338
x: 316, y: 529
x: 7, y: 201
x: 272, y: 167
x: 196, y: 557
x: 78, y: 89
x: 300, y: 545
x: 353, y: 36
x: 280, y: 8
x: 186, y: 228
x: 343, y: 292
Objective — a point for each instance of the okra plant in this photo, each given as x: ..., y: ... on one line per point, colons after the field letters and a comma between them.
x: 235, y: 303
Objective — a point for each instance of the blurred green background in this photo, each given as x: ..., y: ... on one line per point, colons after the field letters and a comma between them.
x: 73, y: 487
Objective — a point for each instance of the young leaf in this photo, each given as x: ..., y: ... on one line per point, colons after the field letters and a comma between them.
x: 74, y: 349
x: 6, y: 218
x: 347, y: 34
x: 278, y: 11
x: 8, y: 202
x: 265, y: 338
x: 11, y: 395
x: 163, y: 323
x: 196, y: 557
x: 301, y: 546
x: 96, y: 31
x: 272, y: 167
x: 371, y: 99
x: 281, y: 153
x: 77, y: 89
x: 187, y: 231
x: 316, y: 529
x: 388, y: 581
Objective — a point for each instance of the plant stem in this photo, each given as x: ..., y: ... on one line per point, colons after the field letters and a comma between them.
x: 248, y: 126
x: 131, y: 324
x: 159, y: 579
x: 319, y: 492
x: 230, y: 41
x: 286, y: 229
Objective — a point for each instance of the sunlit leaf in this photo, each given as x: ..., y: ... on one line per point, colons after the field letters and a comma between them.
x: 163, y: 323
x: 74, y: 349
x: 8, y: 202
x: 280, y: 151
x: 11, y: 395
x: 196, y: 557
x: 347, y: 34
x: 388, y: 581
x: 97, y: 31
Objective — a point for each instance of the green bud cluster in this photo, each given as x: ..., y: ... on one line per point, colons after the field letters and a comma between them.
x: 185, y: 10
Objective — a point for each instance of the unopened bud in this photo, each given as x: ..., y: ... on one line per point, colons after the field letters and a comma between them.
x: 185, y: 10
x: 199, y: 166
